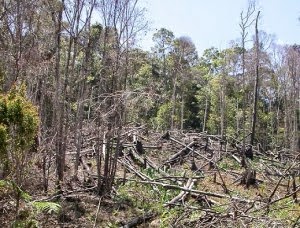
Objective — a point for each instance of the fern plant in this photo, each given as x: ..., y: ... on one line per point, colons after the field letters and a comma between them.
x: 46, y: 207
x: 9, y: 187
x: 31, y: 209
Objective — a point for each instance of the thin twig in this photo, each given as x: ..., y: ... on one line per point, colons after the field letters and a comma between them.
x: 97, y: 213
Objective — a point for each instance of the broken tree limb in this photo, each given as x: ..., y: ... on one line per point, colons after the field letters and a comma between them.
x: 223, y: 182
x: 167, y: 136
x: 181, y: 152
x: 189, y: 185
x: 169, y: 186
x: 133, y: 130
x: 146, y: 162
x: 236, y: 158
x: 83, y: 152
x: 175, y: 140
x: 279, y: 181
x: 137, y: 157
x: 277, y: 200
x: 133, y: 170
x: 97, y: 213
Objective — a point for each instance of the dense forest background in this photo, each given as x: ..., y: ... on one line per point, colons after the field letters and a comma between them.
x: 67, y: 66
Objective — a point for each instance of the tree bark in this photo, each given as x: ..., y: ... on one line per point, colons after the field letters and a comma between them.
x: 58, y: 118
x: 256, y: 88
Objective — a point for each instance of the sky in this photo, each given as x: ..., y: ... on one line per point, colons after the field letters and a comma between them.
x: 214, y: 23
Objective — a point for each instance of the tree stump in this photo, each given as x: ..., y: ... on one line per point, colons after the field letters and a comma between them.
x: 248, y: 177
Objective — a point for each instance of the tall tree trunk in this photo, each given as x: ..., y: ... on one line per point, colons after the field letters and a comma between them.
x: 237, y: 116
x: 256, y: 87
x: 58, y: 118
x: 173, y: 103
x: 205, y: 113
x: 182, y: 112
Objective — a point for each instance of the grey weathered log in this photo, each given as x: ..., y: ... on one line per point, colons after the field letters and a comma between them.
x: 189, y: 185
x: 137, y: 157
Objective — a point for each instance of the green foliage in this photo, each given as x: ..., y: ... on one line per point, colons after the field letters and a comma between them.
x: 169, y: 215
x: 9, y: 187
x: 229, y: 164
x: 214, y: 117
x: 18, y: 125
x: 3, y: 140
x: 163, y: 118
x: 191, y: 107
x: 18, y: 120
x: 285, y: 210
x: 18, y: 129
x: 46, y: 207
x: 26, y: 216
x: 96, y: 31
x: 220, y: 208
x: 27, y: 223
x: 152, y: 198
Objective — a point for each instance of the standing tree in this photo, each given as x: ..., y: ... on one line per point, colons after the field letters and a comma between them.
x: 18, y: 130
x: 122, y: 21
x: 256, y: 86
x: 184, y: 56
x: 163, y: 39
x: 246, y: 22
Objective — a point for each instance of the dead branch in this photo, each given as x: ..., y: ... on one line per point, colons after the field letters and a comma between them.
x: 169, y: 186
x: 126, y: 163
x: 223, y: 182
x: 180, y: 197
x: 181, y: 152
x: 279, y: 181
x: 97, y: 213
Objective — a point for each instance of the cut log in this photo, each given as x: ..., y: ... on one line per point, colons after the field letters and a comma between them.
x: 125, y: 145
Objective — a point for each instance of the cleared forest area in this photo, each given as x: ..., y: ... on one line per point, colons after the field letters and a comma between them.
x: 97, y: 132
